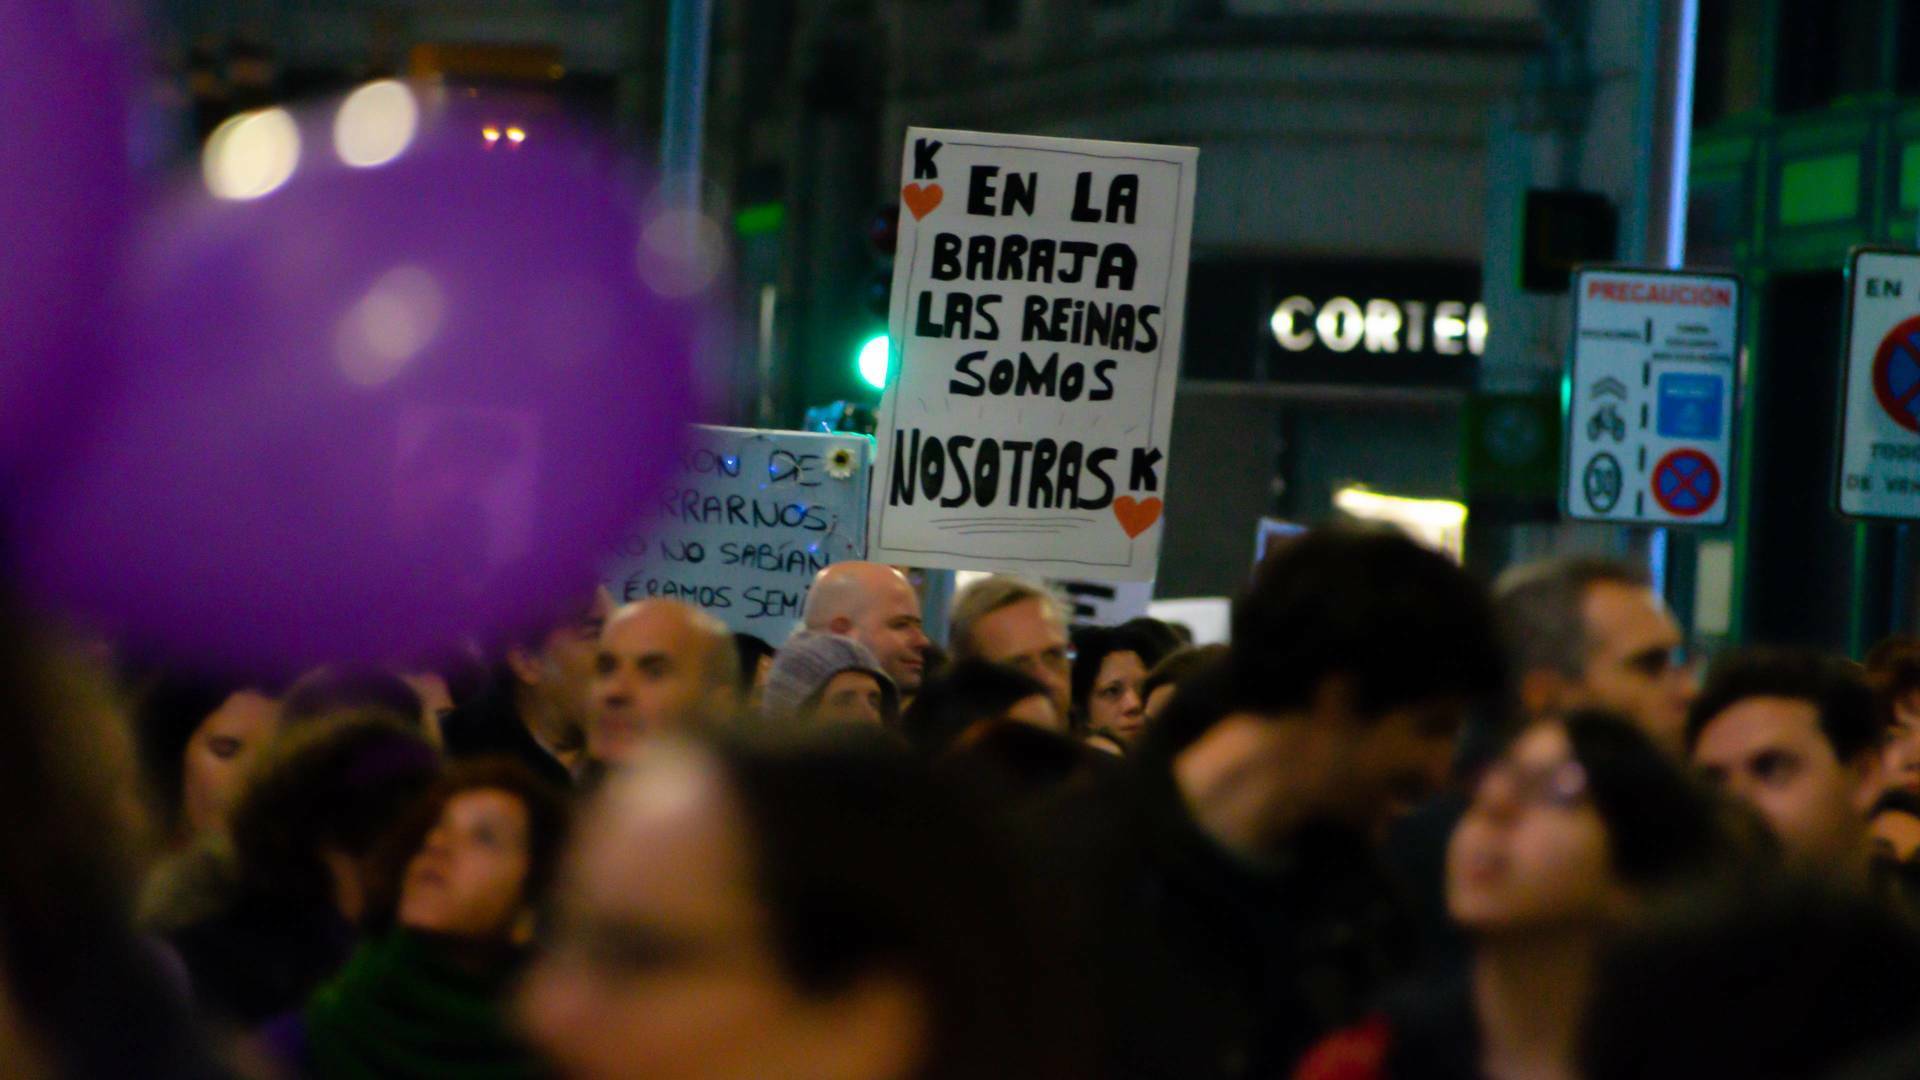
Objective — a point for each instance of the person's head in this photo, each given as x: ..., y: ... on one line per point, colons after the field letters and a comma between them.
x: 436, y: 701
x: 197, y: 738
x: 661, y: 666
x: 756, y: 658
x: 874, y: 604
x: 1794, y: 733
x: 1587, y: 631
x: 554, y: 671
x: 822, y: 910
x: 330, y: 691
x: 70, y: 847
x: 1359, y: 648
x: 1011, y: 765
x: 1009, y: 620
x: 820, y: 679
x: 1773, y: 980
x: 1110, y: 665
x: 1574, y: 828
x: 1175, y: 668
x: 1894, y: 823
x: 973, y: 692
x: 316, y: 805
x: 1893, y: 671
x: 473, y: 857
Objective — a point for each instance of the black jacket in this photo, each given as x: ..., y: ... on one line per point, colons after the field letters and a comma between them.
x: 489, y: 725
x: 1205, y: 967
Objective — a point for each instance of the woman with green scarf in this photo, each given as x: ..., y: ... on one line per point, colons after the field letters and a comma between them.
x: 425, y: 993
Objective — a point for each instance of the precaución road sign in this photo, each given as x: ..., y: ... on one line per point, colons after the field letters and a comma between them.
x: 1651, y: 411
x: 1878, y: 468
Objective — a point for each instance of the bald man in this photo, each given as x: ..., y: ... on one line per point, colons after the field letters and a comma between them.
x: 873, y: 604
x: 661, y: 666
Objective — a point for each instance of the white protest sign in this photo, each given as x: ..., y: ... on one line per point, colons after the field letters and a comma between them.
x: 1880, y: 415
x: 1038, y: 293
x: 749, y: 519
x: 1650, y: 420
x: 1103, y: 603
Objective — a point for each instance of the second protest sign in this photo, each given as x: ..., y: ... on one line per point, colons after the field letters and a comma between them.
x: 1038, y: 296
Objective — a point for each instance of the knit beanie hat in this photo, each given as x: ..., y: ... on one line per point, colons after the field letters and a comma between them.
x: 808, y: 662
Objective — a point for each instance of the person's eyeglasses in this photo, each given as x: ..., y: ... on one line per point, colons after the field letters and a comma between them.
x: 1563, y: 786
x: 1058, y: 658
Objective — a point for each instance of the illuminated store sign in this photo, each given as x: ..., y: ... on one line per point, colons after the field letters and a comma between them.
x: 1344, y: 325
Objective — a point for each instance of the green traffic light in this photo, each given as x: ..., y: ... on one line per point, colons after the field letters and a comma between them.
x: 873, y: 361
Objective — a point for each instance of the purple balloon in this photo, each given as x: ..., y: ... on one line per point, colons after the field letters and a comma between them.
x: 402, y: 395
x: 65, y: 189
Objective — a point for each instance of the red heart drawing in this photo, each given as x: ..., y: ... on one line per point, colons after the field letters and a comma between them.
x: 921, y: 200
x: 1136, y: 517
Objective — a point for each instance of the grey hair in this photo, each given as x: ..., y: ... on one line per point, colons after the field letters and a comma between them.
x: 991, y: 594
x: 1538, y: 608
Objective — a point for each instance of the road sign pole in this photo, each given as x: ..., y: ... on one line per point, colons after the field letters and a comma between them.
x: 689, y: 24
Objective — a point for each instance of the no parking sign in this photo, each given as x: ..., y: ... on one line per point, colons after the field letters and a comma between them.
x: 1879, y: 467
x: 1650, y: 416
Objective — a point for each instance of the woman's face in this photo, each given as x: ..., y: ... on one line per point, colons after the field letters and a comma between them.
x: 851, y: 697
x: 662, y: 965
x: 1902, y: 753
x: 469, y: 877
x: 1115, y: 704
x: 1531, y: 851
x: 214, y: 763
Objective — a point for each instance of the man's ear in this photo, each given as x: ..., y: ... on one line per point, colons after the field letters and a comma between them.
x: 1333, y: 701
x: 879, y: 1026
x: 840, y: 624
x: 524, y: 925
x: 524, y: 665
x: 1543, y: 692
x: 1870, y: 778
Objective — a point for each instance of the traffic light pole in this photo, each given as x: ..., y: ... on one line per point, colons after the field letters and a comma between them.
x: 689, y: 27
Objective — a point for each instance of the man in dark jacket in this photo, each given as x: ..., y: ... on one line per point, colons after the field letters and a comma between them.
x: 1225, y: 897
x: 535, y: 706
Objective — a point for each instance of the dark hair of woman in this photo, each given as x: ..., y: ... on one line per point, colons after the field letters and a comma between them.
x: 548, y: 817
x: 864, y: 861
x: 328, y: 692
x: 336, y: 783
x: 1093, y: 644
x: 1662, y: 828
x: 89, y: 994
x: 1010, y: 763
x: 166, y: 714
x: 963, y: 695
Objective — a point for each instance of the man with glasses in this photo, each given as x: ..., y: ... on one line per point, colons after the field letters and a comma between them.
x: 1008, y: 620
x: 1590, y: 632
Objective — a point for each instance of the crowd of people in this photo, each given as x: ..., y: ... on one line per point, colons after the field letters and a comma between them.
x: 1403, y: 824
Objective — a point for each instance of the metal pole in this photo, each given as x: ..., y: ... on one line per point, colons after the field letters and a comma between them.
x: 689, y: 26
x: 1670, y: 123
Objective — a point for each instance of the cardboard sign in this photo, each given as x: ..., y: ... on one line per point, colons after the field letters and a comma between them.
x: 1650, y: 421
x: 1038, y: 291
x: 751, y: 518
x: 1103, y: 603
x: 1879, y: 466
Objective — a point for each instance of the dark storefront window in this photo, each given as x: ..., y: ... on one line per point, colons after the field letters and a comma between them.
x: 1727, y: 68
x: 1906, y: 69
x: 1826, y: 50
x: 1799, y: 555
